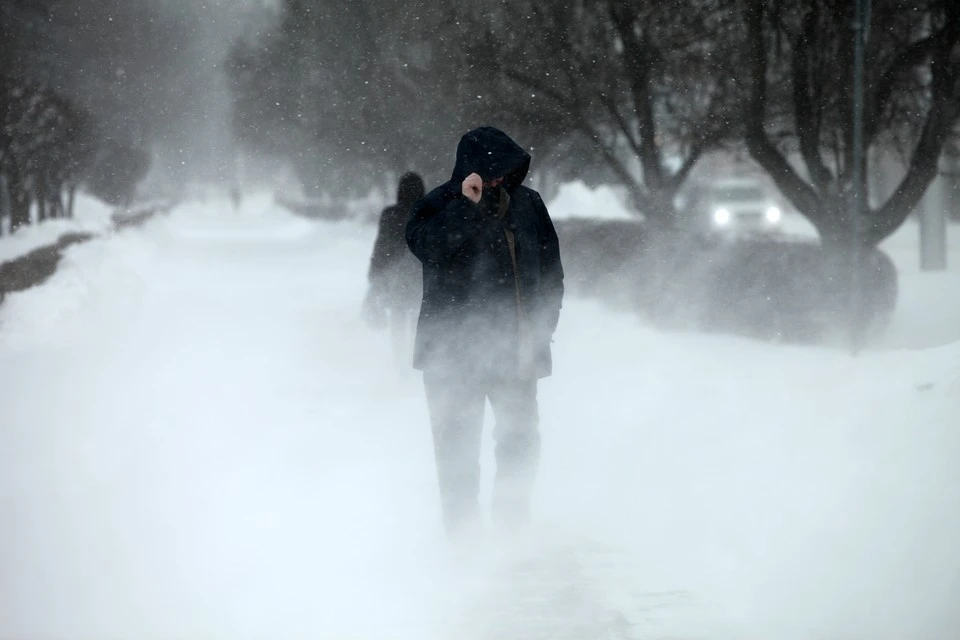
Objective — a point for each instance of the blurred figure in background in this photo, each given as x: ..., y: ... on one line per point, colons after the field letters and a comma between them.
x: 395, y: 274
x: 236, y: 197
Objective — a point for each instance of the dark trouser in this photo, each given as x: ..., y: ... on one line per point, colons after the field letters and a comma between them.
x: 456, y: 402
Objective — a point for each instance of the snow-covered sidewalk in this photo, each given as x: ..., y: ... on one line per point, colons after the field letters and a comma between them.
x: 199, y: 438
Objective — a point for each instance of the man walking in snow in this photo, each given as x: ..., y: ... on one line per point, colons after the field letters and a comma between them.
x: 492, y: 292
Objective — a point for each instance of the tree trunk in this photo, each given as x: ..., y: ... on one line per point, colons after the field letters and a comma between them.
x: 56, y: 203
x: 19, y: 204
x: 41, y: 197
x: 4, y: 201
x: 71, y: 199
x: 833, y: 226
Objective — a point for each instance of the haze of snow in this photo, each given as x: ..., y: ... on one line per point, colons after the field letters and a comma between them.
x: 200, y: 438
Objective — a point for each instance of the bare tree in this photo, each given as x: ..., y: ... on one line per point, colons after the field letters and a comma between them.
x: 647, y: 84
x: 799, y: 123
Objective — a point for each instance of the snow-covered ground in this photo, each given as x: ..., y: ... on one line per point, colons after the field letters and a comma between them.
x: 92, y: 216
x: 201, y: 439
x: 928, y: 313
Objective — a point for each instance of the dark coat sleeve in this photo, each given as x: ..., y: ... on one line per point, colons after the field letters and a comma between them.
x: 441, y: 224
x: 551, y: 270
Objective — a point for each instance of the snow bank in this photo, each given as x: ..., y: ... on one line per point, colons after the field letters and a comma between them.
x: 90, y: 215
x: 577, y: 200
x: 928, y: 310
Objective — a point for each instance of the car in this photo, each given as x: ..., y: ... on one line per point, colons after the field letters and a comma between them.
x: 733, y: 206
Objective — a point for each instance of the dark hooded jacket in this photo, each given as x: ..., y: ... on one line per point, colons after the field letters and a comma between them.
x: 479, y: 311
x: 395, y: 274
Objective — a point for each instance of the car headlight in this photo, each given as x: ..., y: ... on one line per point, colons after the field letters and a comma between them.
x: 721, y: 216
x: 774, y: 215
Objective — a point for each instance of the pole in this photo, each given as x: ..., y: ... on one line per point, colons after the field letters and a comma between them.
x: 857, y: 192
x: 933, y: 221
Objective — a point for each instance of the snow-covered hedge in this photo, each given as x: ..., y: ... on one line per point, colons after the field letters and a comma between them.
x: 761, y: 286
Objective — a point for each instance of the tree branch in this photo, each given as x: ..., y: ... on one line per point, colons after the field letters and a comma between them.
x: 909, y: 58
x: 759, y: 145
x: 637, y: 61
x: 808, y: 126
x: 622, y: 124
x: 641, y: 198
x: 688, y: 164
x: 942, y: 117
x: 536, y: 85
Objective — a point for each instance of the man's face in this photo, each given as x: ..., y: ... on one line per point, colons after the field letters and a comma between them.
x: 492, y: 184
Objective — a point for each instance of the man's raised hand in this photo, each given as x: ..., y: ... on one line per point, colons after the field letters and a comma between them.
x: 472, y: 187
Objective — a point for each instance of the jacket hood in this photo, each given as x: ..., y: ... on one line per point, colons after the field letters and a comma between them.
x: 410, y: 188
x: 491, y: 153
